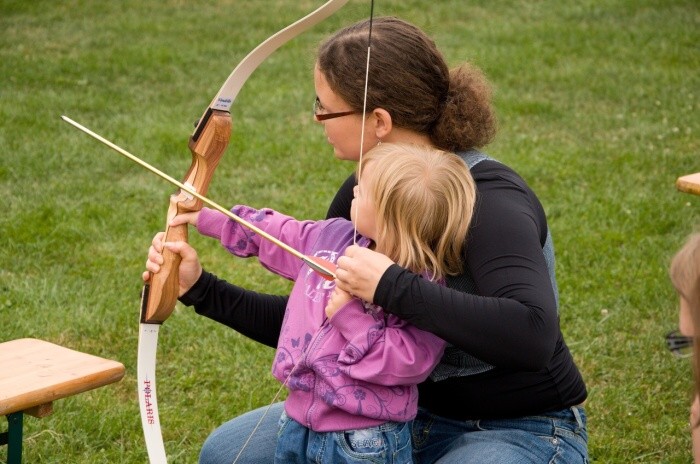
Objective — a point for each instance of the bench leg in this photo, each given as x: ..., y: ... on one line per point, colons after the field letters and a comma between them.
x: 14, y: 437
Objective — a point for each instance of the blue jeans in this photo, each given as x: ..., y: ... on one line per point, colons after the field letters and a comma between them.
x: 557, y: 437
x: 554, y: 437
x: 388, y: 443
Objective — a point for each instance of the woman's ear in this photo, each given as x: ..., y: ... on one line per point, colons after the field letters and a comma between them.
x: 383, y: 124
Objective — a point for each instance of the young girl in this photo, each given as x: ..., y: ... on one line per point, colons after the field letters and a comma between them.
x: 351, y: 369
x: 685, y: 275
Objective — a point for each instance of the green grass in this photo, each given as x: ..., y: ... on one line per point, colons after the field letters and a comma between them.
x: 598, y: 108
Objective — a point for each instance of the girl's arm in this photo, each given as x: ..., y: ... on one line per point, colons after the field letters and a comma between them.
x: 242, y: 242
x: 383, y: 349
x: 256, y: 315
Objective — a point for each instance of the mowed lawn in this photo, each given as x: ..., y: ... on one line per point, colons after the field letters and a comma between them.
x: 598, y: 110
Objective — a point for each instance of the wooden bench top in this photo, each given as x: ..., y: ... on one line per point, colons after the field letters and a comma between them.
x: 34, y: 372
x: 689, y: 183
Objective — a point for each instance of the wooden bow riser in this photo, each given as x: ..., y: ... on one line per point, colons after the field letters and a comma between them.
x: 160, y: 296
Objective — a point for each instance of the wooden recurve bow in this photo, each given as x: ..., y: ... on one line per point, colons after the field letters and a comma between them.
x: 207, y: 145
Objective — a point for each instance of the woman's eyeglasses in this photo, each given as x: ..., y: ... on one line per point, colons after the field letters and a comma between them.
x: 319, y: 115
x: 679, y: 345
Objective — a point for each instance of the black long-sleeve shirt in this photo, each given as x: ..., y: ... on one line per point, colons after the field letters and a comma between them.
x: 510, y: 321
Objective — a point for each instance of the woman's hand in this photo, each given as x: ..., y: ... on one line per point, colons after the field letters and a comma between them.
x: 190, y: 269
x: 338, y: 299
x: 359, y: 271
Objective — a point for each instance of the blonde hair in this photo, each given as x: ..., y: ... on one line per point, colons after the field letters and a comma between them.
x: 424, y: 199
x: 685, y: 276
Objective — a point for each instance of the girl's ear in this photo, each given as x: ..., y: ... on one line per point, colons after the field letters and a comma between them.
x: 383, y: 124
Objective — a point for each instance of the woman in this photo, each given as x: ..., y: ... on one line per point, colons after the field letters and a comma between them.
x: 685, y: 276
x: 507, y: 389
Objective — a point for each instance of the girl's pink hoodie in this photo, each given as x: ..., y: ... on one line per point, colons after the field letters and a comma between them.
x: 356, y: 370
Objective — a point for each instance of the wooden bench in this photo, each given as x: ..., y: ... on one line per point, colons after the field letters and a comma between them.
x: 689, y: 183
x: 34, y: 373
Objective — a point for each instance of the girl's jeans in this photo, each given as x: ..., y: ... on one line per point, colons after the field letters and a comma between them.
x: 555, y: 437
x: 387, y: 443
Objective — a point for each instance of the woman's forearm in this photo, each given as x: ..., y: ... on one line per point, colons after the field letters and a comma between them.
x: 256, y: 315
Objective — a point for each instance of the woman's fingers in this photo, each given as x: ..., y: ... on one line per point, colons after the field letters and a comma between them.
x: 359, y: 271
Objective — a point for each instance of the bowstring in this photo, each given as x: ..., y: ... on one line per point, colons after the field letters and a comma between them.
x: 364, y: 117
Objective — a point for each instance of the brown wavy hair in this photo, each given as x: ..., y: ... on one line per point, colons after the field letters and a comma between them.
x: 409, y: 78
